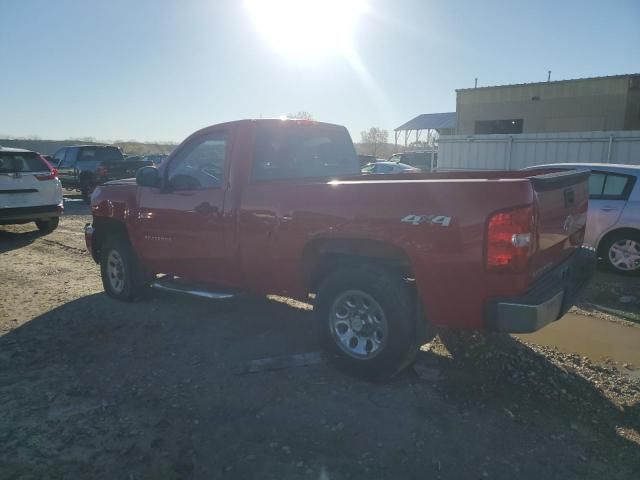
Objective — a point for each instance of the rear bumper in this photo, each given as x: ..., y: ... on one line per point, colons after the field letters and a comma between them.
x: 548, y: 300
x: 25, y: 214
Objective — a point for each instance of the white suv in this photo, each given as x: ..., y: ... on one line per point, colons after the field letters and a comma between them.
x: 29, y: 190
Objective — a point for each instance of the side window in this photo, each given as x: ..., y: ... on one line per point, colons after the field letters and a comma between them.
x: 69, y: 159
x: 596, y: 184
x: 58, y: 157
x: 615, y: 186
x: 199, y: 164
x: 609, y: 186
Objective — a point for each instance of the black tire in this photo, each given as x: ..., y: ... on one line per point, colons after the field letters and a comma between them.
x: 122, y: 277
x: 395, y: 299
x: 49, y: 225
x: 618, y: 238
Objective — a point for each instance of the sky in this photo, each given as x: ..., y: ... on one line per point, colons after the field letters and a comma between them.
x: 157, y: 70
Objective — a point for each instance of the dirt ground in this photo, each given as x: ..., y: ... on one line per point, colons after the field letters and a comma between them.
x: 159, y: 388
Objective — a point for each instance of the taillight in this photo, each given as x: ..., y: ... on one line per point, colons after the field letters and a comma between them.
x: 52, y: 175
x: 102, y: 171
x: 511, y: 239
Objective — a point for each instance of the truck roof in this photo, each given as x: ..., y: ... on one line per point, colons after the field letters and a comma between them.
x: 14, y: 150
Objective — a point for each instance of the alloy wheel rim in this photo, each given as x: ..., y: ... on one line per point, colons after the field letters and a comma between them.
x: 358, y: 324
x: 115, y: 271
x: 625, y: 255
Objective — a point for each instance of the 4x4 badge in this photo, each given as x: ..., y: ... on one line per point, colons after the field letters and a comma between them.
x: 441, y: 220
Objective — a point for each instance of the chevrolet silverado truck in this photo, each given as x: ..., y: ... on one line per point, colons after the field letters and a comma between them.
x: 82, y: 167
x: 280, y: 207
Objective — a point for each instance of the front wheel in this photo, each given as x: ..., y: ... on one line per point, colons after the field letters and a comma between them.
x: 621, y: 252
x: 49, y: 225
x: 121, y: 274
x: 366, y: 316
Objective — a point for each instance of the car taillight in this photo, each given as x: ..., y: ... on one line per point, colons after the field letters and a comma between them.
x: 102, y: 171
x: 52, y: 175
x: 511, y: 239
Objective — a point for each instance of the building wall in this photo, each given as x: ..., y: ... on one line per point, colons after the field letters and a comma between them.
x: 565, y: 106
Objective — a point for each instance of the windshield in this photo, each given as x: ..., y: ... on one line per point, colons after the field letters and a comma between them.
x: 18, y: 162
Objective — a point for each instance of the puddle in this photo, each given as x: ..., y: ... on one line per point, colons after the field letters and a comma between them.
x: 592, y: 337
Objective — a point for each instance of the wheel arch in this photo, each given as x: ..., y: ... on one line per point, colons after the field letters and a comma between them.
x: 603, y: 239
x: 321, y: 256
x: 105, y: 228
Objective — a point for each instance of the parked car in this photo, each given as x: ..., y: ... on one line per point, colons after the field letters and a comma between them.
x: 389, y: 167
x: 82, y: 167
x: 613, y: 220
x: 280, y: 207
x: 366, y: 159
x: 29, y: 190
x: 425, y: 160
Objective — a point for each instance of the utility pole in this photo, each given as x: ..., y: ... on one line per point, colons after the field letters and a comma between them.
x: 548, y: 75
x: 476, y: 84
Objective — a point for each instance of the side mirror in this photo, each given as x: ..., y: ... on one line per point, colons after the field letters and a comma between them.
x: 148, y: 177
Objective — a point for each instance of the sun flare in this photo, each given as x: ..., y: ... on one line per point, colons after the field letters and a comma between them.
x: 307, y: 29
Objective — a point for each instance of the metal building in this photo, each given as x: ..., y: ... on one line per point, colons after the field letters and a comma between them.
x: 584, y: 104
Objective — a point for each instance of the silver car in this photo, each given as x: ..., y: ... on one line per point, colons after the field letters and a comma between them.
x: 613, y: 220
x: 389, y: 167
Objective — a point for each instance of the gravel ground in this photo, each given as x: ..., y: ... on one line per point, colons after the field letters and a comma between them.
x: 159, y: 389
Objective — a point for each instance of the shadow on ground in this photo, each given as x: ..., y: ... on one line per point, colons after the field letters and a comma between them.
x: 613, y: 294
x: 10, y: 240
x: 153, y: 390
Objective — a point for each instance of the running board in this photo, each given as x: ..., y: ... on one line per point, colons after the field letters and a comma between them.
x: 174, y: 287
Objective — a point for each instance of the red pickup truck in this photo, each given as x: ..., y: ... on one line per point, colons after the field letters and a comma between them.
x: 280, y: 207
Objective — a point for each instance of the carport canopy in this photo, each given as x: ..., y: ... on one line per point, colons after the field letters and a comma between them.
x: 443, y: 123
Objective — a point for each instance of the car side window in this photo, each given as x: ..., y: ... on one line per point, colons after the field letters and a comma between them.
x: 200, y: 164
x: 596, y: 184
x: 614, y: 186
x: 609, y: 186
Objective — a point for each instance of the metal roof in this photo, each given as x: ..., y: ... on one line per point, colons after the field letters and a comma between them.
x: 431, y: 121
x: 548, y: 82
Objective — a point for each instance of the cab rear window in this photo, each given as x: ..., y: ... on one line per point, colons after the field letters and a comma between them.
x: 287, y: 151
x: 101, y: 154
x: 18, y: 162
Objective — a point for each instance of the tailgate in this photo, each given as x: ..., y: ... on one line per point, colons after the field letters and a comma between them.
x: 561, y: 202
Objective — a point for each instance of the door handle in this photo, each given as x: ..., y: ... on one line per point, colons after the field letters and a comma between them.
x: 609, y: 209
x: 205, y: 208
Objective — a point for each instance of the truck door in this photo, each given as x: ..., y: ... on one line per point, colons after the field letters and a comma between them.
x: 181, y: 226
x: 66, y: 167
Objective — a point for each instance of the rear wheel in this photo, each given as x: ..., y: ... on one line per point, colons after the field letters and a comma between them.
x: 122, y: 277
x: 621, y: 252
x: 367, y: 318
x: 48, y: 225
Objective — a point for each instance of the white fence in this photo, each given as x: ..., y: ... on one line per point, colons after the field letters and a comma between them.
x: 512, y: 152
